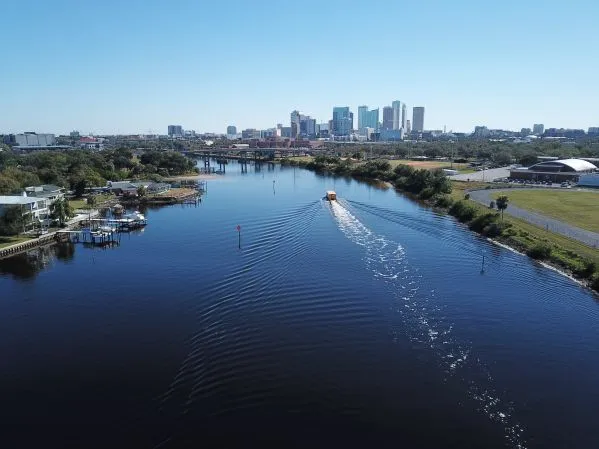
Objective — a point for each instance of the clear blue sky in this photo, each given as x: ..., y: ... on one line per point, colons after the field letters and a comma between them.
x: 130, y: 66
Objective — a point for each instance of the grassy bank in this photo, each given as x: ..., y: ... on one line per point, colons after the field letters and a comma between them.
x: 577, y: 208
x: 436, y: 190
x: 12, y: 240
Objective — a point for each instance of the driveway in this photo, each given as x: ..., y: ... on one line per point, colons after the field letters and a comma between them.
x: 559, y: 227
x: 483, y: 175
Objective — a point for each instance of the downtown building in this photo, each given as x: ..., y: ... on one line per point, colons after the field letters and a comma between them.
x: 418, y: 119
x: 343, y: 122
x: 175, y: 131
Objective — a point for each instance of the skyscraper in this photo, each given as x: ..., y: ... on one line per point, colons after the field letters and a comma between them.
x: 418, y: 119
x: 231, y: 130
x: 538, y: 129
x: 373, y: 119
x: 403, y: 116
x: 362, y: 117
x: 408, y: 126
x: 387, y: 117
x: 175, y: 130
x: 396, y: 105
x: 295, y: 123
x: 343, y: 121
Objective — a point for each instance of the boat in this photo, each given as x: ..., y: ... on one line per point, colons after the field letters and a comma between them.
x: 331, y: 195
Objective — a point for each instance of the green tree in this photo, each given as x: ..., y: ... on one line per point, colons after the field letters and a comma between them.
x: 61, y: 210
x: 142, y: 191
x: 91, y: 201
x: 12, y: 222
x: 501, y: 204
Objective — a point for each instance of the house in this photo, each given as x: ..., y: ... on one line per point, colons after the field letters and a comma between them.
x: 91, y: 143
x: 33, y: 208
x: 130, y: 187
x: 48, y: 191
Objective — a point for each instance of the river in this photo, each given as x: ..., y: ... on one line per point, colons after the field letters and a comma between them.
x: 362, y: 323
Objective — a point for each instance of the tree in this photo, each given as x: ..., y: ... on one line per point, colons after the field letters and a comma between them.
x: 91, y: 201
x: 501, y: 204
x: 12, y: 221
x: 61, y: 210
x: 142, y: 191
x: 492, y: 205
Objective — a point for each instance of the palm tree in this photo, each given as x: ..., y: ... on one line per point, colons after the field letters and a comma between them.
x: 61, y: 210
x: 501, y: 204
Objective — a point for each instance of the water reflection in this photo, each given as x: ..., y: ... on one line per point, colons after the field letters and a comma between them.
x: 26, y: 266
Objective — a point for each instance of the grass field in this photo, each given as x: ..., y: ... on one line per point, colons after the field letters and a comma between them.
x: 578, y: 208
x: 12, y: 240
x: 462, y: 168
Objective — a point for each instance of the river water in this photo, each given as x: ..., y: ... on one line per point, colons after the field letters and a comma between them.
x: 361, y: 323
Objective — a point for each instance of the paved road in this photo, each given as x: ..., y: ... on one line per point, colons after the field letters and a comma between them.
x: 559, y: 227
x: 483, y: 175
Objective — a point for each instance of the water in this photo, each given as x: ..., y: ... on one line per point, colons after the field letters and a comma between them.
x: 365, y: 322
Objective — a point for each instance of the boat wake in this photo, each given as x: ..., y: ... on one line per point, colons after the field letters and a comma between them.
x: 422, y: 319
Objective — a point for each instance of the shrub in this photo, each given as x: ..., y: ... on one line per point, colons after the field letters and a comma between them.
x: 427, y: 193
x: 595, y: 283
x: 492, y: 205
x: 443, y: 201
x: 463, y: 211
x: 585, y: 269
x: 539, y: 251
x: 467, y: 196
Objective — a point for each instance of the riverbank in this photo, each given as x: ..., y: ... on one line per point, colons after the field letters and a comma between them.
x: 565, y: 255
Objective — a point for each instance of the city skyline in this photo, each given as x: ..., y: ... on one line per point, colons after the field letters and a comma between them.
x: 133, y: 71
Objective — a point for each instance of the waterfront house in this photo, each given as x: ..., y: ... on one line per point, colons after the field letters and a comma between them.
x: 129, y: 188
x: 48, y: 191
x: 32, y: 208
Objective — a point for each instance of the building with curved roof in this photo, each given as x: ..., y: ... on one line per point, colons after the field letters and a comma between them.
x: 560, y: 170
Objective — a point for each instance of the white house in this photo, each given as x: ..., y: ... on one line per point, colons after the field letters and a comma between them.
x: 48, y: 191
x: 36, y: 209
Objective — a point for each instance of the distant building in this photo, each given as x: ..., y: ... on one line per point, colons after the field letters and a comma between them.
x: 396, y: 105
x: 175, y: 131
x: 481, y: 132
x: 403, y: 116
x: 343, y: 121
x: 391, y: 135
x: 295, y: 123
x: 387, y: 118
x: 362, y: 117
x: 31, y: 139
x: 91, y: 143
x: 418, y: 119
x: 594, y: 131
x: 74, y: 134
x: 231, y: 130
x: 538, y: 129
x: 322, y: 130
x: 250, y: 133
x: 307, y: 127
x: 408, y: 126
x: 286, y: 132
x: 564, y: 133
x: 525, y: 132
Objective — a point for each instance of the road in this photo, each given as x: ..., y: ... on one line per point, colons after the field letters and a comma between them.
x: 483, y: 175
x: 559, y: 227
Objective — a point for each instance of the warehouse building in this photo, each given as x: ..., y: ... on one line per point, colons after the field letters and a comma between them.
x: 558, y: 171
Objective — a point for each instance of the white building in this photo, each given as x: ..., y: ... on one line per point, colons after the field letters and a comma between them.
x: 35, y: 140
x: 32, y: 208
x: 396, y: 105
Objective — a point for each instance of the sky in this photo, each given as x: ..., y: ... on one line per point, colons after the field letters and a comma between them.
x: 132, y: 66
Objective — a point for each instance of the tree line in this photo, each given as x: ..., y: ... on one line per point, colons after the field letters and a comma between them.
x: 78, y: 169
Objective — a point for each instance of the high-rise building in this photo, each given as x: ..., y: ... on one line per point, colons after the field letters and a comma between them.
x: 231, y: 130
x: 387, y: 117
x: 396, y: 105
x: 295, y: 124
x: 363, y: 118
x: 175, y: 131
x: 250, y: 133
x: 373, y: 119
x: 525, y: 132
x: 403, y: 115
x: 408, y: 126
x: 307, y: 126
x: 538, y: 129
x: 593, y: 131
x: 418, y: 119
x: 343, y: 121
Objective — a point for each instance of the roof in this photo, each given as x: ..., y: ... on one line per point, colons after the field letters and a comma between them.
x: 19, y: 200
x: 574, y: 164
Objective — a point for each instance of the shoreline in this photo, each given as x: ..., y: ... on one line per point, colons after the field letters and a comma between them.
x: 587, y: 282
x: 199, y: 177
